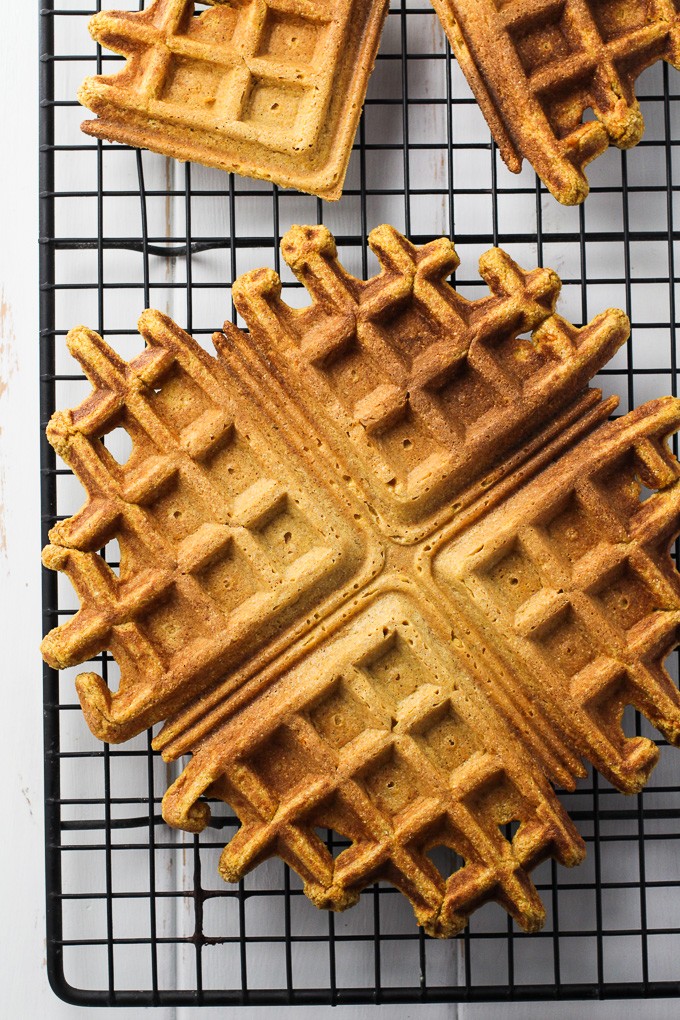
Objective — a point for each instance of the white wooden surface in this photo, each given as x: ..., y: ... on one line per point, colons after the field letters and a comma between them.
x: 24, y: 991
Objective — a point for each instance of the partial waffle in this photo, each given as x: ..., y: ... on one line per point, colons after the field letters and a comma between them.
x: 264, y: 88
x: 385, y: 570
x: 536, y: 66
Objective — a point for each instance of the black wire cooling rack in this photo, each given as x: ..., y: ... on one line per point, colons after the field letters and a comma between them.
x: 136, y: 912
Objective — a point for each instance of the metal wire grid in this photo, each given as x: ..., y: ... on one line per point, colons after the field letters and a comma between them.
x: 136, y: 912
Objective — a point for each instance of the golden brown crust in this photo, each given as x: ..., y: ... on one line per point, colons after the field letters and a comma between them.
x: 536, y: 66
x: 269, y: 90
x: 384, y: 570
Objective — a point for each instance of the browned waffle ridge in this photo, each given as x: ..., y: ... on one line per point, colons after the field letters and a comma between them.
x: 264, y: 88
x: 536, y: 66
x: 385, y: 569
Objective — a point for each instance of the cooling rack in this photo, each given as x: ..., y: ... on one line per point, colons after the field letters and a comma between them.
x: 136, y: 912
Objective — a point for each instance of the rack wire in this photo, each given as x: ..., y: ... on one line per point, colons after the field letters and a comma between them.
x: 136, y: 912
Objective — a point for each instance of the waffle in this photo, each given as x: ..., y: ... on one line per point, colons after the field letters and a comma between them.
x: 265, y: 89
x: 536, y: 66
x: 385, y: 570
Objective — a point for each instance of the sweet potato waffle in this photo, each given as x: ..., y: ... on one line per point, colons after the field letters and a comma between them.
x: 265, y: 88
x: 385, y: 569
x: 537, y: 66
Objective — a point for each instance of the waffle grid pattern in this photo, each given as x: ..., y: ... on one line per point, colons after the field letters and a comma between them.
x: 246, y: 75
x: 394, y: 763
x: 586, y: 593
x: 207, y: 527
x: 395, y: 356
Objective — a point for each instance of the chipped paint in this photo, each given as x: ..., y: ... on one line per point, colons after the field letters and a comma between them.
x: 24, y: 793
x: 8, y: 361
